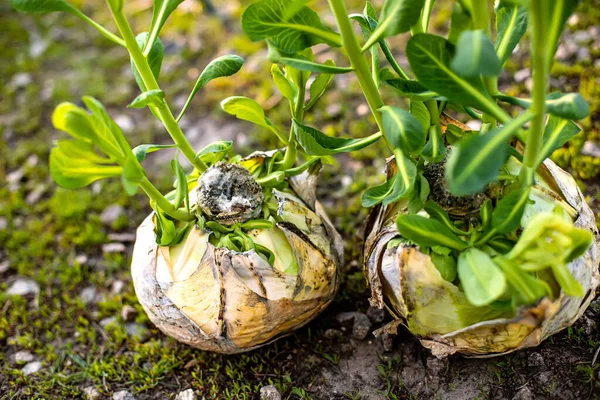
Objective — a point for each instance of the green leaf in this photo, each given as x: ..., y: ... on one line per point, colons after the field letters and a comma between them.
x: 419, y: 194
x: 73, y: 120
x: 317, y: 143
x: 482, y: 280
x: 397, y: 16
x: 476, y: 160
x: 554, y: 15
x: 43, y: 6
x: 511, y: 24
x: 460, y: 21
x: 438, y: 213
x: 181, y: 185
x: 249, y: 110
x: 427, y: 232
x: 223, y: 66
x: 407, y: 88
x: 266, y: 19
x: 419, y: 110
x: 402, y: 130
x: 155, y: 57
x: 161, y: 11
x: 79, y: 149
x: 557, y: 132
x: 133, y: 174
x: 429, y: 57
x: 475, y: 56
x: 318, y: 86
x: 285, y: 86
x: 75, y: 173
x: 376, y: 194
x: 405, y: 178
x: 142, y: 150
x: 149, y: 98
x: 568, y: 105
x: 446, y: 265
x: 509, y: 211
x: 108, y: 133
x: 215, y: 151
x: 302, y: 64
x: 435, y: 149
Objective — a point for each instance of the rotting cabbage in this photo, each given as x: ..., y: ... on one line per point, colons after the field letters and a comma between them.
x: 228, y: 301
x: 411, y: 286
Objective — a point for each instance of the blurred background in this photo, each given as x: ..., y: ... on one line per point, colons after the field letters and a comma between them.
x: 70, y: 324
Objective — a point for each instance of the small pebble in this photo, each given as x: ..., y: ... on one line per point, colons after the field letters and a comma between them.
x: 137, y: 330
x: 32, y: 368
x: 332, y: 333
x: 362, y: 110
x: 20, y: 80
x: 387, y: 341
x: 523, y: 394
x: 122, y: 237
x: 535, y: 360
x: 3, y: 223
x: 269, y: 393
x: 88, y: 294
x: 128, y: 313
x: 23, y: 287
x: 111, y: 214
x: 522, y: 74
x: 91, y: 393
x: 186, y: 395
x: 122, y: 395
x: 125, y: 123
x: 35, y: 195
x: 108, y: 321
x: 23, y: 356
x: 591, y: 148
x: 362, y: 326
x: 117, y: 286
x: 4, y: 266
x: 114, y: 248
x: 376, y: 315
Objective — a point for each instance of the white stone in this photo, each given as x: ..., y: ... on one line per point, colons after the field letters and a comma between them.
x: 117, y: 286
x: 114, y: 248
x: 111, y: 214
x: 23, y: 287
x: 4, y: 266
x: 20, y: 80
x: 88, y: 294
x: 128, y: 313
x: 125, y: 123
x: 23, y: 356
x: 122, y: 395
x: 269, y: 393
x: 91, y: 393
x: 32, y: 368
x: 591, y: 148
x: 186, y: 395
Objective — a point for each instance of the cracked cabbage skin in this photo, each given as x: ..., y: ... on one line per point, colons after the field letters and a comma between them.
x: 220, y: 300
x: 407, y: 283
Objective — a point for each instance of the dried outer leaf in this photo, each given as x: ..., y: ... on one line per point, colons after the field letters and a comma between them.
x: 387, y: 272
x: 234, y: 302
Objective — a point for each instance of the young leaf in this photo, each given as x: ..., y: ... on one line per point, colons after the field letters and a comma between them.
x: 482, y: 280
x: 408, y: 88
x: 317, y: 143
x: 155, y: 57
x: 405, y: 178
x: 79, y: 149
x: 75, y: 173
x: 402, y: 130
x: 302, y: 64
x: 376, y: 194
x: 140, y: 151
x: 249, y: 110
x: 477, y: 159
x: 509, y: 211
x: 435, y: 150
x: 215, y: 151
x: 161, y: 11
x: 419, y: 110
x: 266, y: 19
x: 475, y: 56
x: 181, y: 185
x: 286, y: 87
x: 446, y: 265
x: 557, y: 132
x: 397, y: 16
x: 460, y: 21
x: 430, y: 58
x: 438, y: 213
x: 149, y: 98
x: 427, y: 232
x: 223, y: 66
x: 568, y: 105
x: 318, y: 86
x: 511, y: 24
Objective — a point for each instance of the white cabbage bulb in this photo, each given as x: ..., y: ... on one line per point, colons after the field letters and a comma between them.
x: 221, y: 300
x: 407, y: 283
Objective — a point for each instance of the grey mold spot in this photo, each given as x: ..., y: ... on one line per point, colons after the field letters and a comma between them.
x: 228, y: 194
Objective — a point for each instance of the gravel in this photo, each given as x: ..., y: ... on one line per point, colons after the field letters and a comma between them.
x: 23, y: 287
x: 186, y: 395
x: 32, y: 368
x: 269, y: 393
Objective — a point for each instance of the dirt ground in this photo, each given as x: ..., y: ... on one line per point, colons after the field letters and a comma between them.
x: 70, y: 325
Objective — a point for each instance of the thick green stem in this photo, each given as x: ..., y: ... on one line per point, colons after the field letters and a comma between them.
x: 150, y: 82
x: 358, y: 60
x: 164, y: 204
x: 540, y: 78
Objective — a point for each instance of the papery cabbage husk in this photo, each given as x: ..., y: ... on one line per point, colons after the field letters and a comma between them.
x: 225, y: 301
x: 406, y: 282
